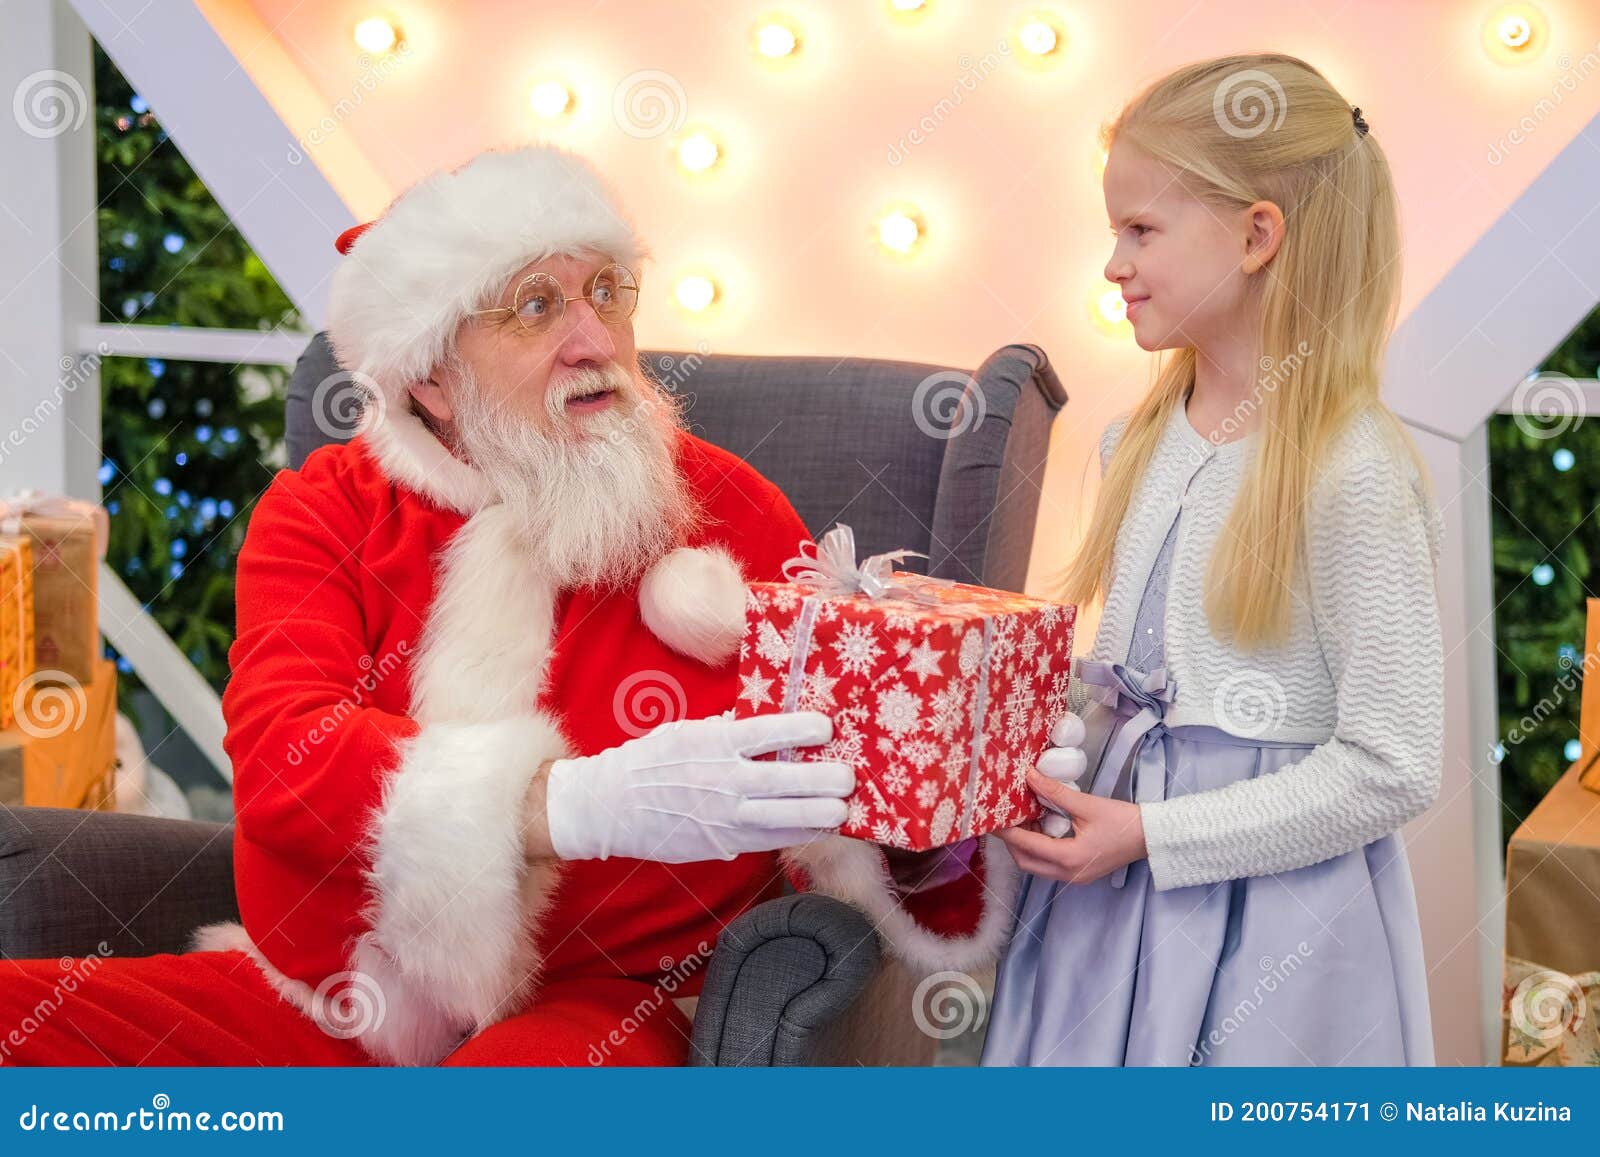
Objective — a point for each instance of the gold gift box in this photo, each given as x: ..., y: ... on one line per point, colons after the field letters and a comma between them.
x: 16, y: 620
x: 61, y: 751
x: 66, y: 592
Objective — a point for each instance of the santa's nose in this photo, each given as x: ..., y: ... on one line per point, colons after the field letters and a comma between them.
x: 587, y: 339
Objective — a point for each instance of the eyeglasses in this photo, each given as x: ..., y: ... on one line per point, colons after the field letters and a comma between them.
x: 540, y: 302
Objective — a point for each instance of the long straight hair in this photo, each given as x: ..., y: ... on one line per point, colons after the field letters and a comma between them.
x: 1238, y: 130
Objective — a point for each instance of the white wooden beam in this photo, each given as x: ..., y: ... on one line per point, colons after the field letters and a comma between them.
x: 1521, y: 288
x: 230, y: 134
x: 1454, y: 847
x: 49, y: 399
x: 165, y: 669
x: 195, y: 344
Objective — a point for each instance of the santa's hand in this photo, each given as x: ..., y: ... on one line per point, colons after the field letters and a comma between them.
x: 1065, y: 762
x: 690, y: 791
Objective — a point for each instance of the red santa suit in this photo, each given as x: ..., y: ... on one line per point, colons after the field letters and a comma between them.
x: 402, y: 669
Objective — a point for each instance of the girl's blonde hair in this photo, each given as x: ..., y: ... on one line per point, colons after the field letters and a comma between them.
x: 1238, y: 130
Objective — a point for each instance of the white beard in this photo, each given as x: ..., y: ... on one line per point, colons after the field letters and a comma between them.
x: 590, y: 511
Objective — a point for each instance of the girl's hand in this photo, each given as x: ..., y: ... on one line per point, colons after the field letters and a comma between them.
x: 1108, y: 834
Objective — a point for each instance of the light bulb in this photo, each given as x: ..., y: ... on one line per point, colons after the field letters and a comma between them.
x: 1038, y: 38
x: 695, y: 293
x: 550, y: 98
x: 899, y: 231
x: 776, y: 39
x: 1112, y: 307
x: 1515, y: 32
x: 697, y: 152
x: 376, y: 35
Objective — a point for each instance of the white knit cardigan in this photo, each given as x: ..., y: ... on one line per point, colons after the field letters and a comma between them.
x: 1361, y: 674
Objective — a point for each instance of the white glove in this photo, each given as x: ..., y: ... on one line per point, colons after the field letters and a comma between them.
x: 1064, y: 762
x: 688, y: 791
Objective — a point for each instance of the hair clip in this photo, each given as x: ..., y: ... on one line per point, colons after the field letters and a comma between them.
x: 1361, y: 125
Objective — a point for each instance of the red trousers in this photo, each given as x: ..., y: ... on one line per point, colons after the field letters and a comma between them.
x: 216, y: 1008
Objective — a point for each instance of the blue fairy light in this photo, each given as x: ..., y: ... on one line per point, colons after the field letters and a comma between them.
x: 179, y: 548
x: 130, y: 239
x: 203, y: 407
x: 1498, y: 755
x: 156, y: 408
x: 225, y: 508
x: 185, y: 499
x: 117, y: 264
x: 138, y: 104
x: 156, y: 366
x: 1573, y: 751
x: 230, y: 434
x: 171, y: 512
x: 113, y: 507
x: 175, y: 570
x: 1568, y: 652
x: 208, y: 508
x: 1563, y: 459
x: 124, y: 666
x: 107, y: 472
x: 181, y: 458
x: 202, y: 433
x: 1543, y: 574
x: 130, y: 307
x: 173, y: 242
x: 162, y: 486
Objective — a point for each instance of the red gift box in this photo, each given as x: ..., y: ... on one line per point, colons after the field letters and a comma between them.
x: 942, y: 694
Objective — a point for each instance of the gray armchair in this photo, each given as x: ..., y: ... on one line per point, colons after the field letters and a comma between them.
x: 908, y: 455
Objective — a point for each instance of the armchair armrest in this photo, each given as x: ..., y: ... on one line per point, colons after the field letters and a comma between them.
x: 71, y: 881
x: 781, y: 975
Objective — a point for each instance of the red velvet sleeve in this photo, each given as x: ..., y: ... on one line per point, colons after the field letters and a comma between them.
x: 308, y: 752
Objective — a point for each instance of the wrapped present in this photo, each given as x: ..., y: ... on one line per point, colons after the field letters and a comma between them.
x: 16, y: 620
x: 61, y: 750
x: 69, y: 540
x: 942, y: 694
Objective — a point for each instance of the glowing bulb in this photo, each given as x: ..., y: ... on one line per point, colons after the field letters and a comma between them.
x: 695, y: 293
x: 376, y: 35
x: 1038, y: 38
x: 907, y: 5
x: 1515, y: 32
x: 1112, y: 308
x: 899, y: 231
x: 697, y: 152
x: 550, y: 98
x: 776, y: 39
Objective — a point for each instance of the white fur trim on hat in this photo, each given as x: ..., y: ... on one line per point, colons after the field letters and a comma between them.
x: 693, y: 599
x: 444, y: 248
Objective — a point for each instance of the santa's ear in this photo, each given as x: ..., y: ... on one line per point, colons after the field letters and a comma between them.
x: 430, y: 396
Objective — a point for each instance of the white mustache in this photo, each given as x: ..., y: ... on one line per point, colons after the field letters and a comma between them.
x: 586, y: 381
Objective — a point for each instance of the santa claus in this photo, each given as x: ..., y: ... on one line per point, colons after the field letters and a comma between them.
x: 458, y: 839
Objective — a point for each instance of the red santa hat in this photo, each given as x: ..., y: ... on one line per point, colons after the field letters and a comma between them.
x: 442, y: 249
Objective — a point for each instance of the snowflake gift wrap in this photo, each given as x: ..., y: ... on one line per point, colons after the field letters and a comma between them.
x: 942, y: 695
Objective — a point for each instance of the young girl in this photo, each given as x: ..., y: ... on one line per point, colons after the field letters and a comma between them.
x: 1263, y: 706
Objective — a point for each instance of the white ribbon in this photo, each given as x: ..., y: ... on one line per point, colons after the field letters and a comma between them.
x: 830, y: 565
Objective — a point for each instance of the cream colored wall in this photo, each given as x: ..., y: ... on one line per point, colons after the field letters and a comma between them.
x: 1007, y: 179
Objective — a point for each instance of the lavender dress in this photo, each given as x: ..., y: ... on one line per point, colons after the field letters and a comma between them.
x: 1319, y: 966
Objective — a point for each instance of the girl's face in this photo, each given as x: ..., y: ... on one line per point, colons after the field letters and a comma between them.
x: 1176, y: 259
